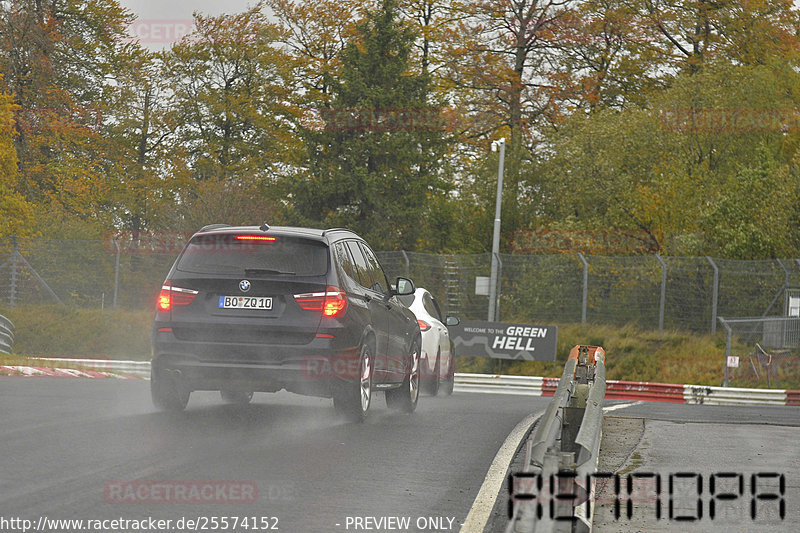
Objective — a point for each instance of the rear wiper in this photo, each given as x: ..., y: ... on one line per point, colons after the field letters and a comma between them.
x: 263, y: 271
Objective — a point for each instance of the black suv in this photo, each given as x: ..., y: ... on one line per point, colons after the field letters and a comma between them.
x: 247, y: 309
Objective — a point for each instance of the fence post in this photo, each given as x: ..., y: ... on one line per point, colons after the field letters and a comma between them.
x: 12, y: 298
x: 781, y: 291
x: 407, y: 262
x: 728, y: 339
x: 585, y: 295
x: 662, y: 303
x: 714, y: 295
x: 116, y: 275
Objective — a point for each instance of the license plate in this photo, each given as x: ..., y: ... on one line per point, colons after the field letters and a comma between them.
x: 245, y: 302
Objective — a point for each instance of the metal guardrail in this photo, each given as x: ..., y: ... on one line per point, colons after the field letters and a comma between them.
x: 6, y: 335
x: 499, y: 384
x: 631, y: 390
x: 696, y: 394
x: 563, y: 451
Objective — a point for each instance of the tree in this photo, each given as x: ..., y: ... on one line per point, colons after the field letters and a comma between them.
x: 232, y: 87
x: 315, y: 33
x: 718, y: 137
x: 148, y: 168
x: 754, y: 213
x: 602, y: 56
x: 696, y: 31
x: 16, y: 213
x: 57, y: 57
x: 375, y: 166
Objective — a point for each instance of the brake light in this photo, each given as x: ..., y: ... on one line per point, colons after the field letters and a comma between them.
x: 164, y: 300
x: 423, y: 326
x: 255, y: 238
x: 332, y: 302
x: 170, y: 296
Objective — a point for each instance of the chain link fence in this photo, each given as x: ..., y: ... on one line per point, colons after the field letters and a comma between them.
x: 687, y: 293
x: 762, y: 349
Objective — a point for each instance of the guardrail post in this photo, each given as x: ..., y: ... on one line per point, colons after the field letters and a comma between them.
x: 662, y: 303
x: 584, y: 298
x: 564, y: 493
x: 714, y: 295
x: 12, y: 295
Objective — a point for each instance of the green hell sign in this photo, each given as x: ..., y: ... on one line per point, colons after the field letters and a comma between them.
x: 502, y: 340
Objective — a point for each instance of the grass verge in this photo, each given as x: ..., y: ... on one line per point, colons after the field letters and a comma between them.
x: 55, y: 331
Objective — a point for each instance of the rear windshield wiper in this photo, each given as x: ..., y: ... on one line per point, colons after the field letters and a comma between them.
x: 265, y: 271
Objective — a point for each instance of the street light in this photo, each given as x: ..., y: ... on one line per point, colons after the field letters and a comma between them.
x: 501, y: 143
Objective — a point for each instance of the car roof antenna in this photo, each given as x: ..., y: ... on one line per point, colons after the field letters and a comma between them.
x: 264, y: 226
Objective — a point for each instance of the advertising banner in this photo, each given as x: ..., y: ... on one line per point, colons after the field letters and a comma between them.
x: 501, y: 340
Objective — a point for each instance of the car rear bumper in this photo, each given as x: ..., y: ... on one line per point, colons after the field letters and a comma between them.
x: 314, y: 369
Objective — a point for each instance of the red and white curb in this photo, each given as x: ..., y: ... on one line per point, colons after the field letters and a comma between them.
x: 631, y: 390
x: 79, y: 368
x: 39, y: 371
x: 481, y: 383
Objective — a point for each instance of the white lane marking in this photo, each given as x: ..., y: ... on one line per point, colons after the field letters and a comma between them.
x: 496, y: 476
x: 621, y: 406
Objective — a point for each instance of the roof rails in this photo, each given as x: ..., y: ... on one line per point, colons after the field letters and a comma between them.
x: 214, y: 226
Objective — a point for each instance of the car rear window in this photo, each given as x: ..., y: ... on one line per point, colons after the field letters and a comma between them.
x: 243, y: 254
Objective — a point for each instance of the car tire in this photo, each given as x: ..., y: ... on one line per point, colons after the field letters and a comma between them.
x: 236, y: 397
x: 354, y: 398
x: 449, y: 381
x: 167, y: 392
x: 406, y: 397
x: 432, y: 382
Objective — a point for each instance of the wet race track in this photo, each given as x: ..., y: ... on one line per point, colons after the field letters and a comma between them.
x: 96, y: 450
x: 80, y: 449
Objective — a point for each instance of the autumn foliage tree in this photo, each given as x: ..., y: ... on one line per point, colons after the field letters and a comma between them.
x: 675, y: 118
x: 374, y: 166
x: 57, y: 58
x: 232, y: 88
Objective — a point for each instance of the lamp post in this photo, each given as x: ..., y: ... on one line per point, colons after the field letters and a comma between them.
x: 501, y: 143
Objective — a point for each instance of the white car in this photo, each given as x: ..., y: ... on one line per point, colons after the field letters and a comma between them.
x: 437, y: 364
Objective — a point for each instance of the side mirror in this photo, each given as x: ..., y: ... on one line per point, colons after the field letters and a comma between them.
x: 452, y: 321
x: 404, y: 287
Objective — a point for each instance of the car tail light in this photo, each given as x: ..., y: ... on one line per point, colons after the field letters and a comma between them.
x: 332, y: 302
x: 423, y: 326
x: 170, y: 296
